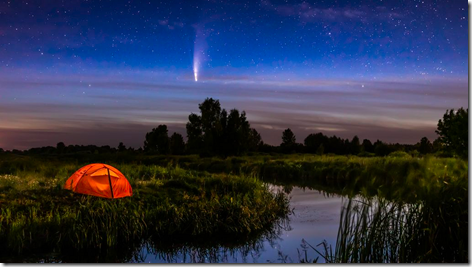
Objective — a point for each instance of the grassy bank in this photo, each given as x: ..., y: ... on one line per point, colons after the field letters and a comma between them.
x: 38, y: 215
x: 192, y: 198
x: 385, y: 175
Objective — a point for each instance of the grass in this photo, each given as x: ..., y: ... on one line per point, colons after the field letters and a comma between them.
x: 412, y: 209
x: 37, y: 215
x: 373, y: 230
x: 392, y: 178
x: 398, y: 209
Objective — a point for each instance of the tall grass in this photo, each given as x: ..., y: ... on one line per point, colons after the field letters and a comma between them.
x: 168, y: 203
x: 410, y: 209
x: 420, y: 212
x: 374, y: 230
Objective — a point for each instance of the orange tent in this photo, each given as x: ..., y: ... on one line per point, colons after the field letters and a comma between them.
x: 99, y: 180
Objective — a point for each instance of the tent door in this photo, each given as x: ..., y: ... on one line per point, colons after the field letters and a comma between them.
x: 109, y: 180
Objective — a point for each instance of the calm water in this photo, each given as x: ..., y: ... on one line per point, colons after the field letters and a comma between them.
x: 315, y: 218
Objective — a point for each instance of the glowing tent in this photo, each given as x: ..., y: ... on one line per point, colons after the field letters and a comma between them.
x: 99, y: 180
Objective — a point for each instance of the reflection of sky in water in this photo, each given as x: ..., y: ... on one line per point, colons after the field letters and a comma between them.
x: 315, y: 218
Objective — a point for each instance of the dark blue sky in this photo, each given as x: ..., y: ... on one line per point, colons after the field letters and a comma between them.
x: 104, y: 71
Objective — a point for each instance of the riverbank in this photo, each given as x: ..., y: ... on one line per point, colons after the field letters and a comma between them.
x: 37, y: 215
x: 188, y: 198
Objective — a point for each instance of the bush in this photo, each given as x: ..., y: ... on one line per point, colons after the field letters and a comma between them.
x: 399, y: 154
x: 365, y: 154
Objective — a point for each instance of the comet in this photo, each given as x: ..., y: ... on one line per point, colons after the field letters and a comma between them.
x: 195, y: 67
x: 199, y: 49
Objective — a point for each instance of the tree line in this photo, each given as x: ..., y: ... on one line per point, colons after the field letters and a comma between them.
x: 212, y: 132
x: 216, y: 132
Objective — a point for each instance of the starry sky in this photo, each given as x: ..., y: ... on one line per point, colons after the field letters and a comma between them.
x: 101, y: 72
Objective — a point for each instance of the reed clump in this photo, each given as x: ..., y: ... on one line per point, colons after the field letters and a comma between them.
x: 374, y: 230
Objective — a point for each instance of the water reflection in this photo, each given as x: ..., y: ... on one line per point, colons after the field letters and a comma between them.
x: 223, y: 251
x: 315, y: 217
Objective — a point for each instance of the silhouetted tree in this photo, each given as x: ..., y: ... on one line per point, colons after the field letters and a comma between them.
x: 210, y: 110
x: 437, y: 145
x: 255, y: 140
x: 266, y: 148
x: 217, y: 132
x: 121, y: 147
x: 60, y: 147
x: 355, y: 146
x: 288, y: 141
x: 157, y: 140
x: 381, y: 149
x: 237, y: 133
x: 177, y: 144
x: 320, y: 150
x: 335, y: 145
x: 425, y: 146
x: 313, y: 141
x: 453, y: 131
x: 346, y: 147
x: 288, y: 138
x: 367, y: 146
x: 223, y: 146
x: 194, y: 134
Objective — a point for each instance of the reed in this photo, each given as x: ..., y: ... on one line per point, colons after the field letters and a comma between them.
x: 374, y: 230
x: 420, y: 212
x: 171, y: 202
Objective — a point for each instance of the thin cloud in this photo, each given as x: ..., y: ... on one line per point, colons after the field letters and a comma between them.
x: 310, y: 13
x: 127, y: 106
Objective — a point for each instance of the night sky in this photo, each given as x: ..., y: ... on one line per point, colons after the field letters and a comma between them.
x: 101, y: 72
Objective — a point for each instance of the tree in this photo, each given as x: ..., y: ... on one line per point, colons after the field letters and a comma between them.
x: 194, y: 134
x: 288, y: 141
x: 313, y: 141
x: 288, y: 138
x: 425, y: 146
x: 215, y: 131
x: 453, y: 131
x: 367, y: 146
x: 177, y: 144
x: 157, y: 140
x: 320, y: 150
x: 255, y: 140
x: 121, y: 147
x: 210, y: 110
x: 437, y: 145
x: 381, y: 149
x: 60, y: 147
x: 336, y: 145
x: 242, y: 130
x: 355, y: 146
x: 346, y: 147
x: 232, y: 133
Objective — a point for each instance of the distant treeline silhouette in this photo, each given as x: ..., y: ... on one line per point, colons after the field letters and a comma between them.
x: 214, y: 132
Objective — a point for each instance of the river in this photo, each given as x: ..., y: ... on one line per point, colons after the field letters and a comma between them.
x: 315, y: 218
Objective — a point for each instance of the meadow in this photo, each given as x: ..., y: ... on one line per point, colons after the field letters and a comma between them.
x: 404, y: 209
x: 38, y: 215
